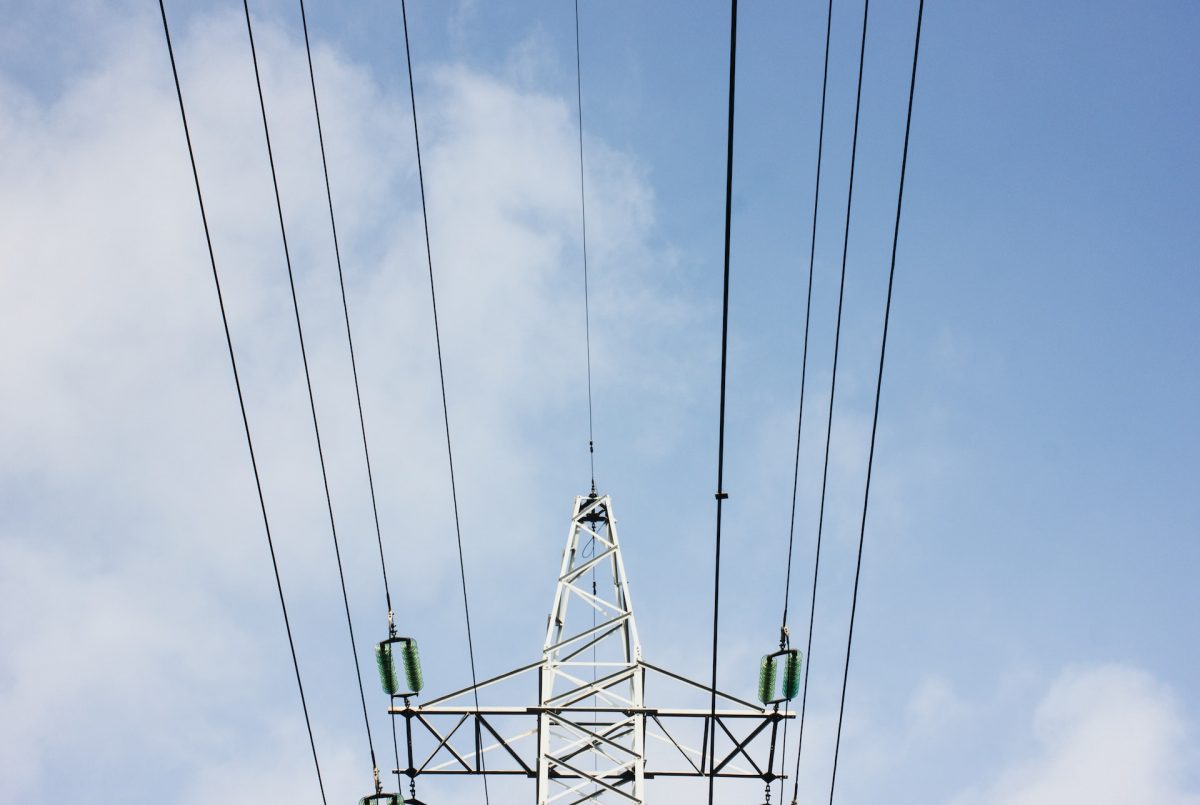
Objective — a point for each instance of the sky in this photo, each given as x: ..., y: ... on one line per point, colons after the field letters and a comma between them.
x: 1025, y: 631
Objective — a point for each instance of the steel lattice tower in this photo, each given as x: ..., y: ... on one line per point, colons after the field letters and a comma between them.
x: 586, y: 734
x: 591, y: 659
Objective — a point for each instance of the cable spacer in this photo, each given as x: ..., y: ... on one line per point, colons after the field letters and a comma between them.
x: 722, y: 495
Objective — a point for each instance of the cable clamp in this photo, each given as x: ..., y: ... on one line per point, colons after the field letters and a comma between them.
x: 722, y: 495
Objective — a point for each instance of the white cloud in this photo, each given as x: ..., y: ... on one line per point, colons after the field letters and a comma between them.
x: 935, y: 706
x: 144, y: 649
x: 1110, y: 735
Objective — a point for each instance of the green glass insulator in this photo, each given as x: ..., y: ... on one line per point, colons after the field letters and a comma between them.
x: 791, y: 675
x: 412, y: 666
x: 387, y: 668
x: 766, y: 679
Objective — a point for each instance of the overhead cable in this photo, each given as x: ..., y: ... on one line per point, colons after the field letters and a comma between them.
x: 308, y: 383
x: 337, y: 253
x: 441, y: 368
x: 587, y: 316
x: 362, y: 423
x: 587, y: 319
x: 887, y: 313
x: 241, y: 402
x: 784, y: 639
x: 837, y: 337
x: 721, y: 494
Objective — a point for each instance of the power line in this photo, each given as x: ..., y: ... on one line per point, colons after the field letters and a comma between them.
x: 586, y: 312
x: 887, y: 313
x: 241, y: 402
x: 587, y: 316
x: 784, y: 639
x: 308, y: 382
x: 337, y: 252
x: 721, y: 494
x: 832, y: 388
x: 807, y: 320
x: 462, y: 568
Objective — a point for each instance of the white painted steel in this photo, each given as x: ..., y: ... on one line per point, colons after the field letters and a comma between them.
x: 590, y: 725
x: 602, y: 672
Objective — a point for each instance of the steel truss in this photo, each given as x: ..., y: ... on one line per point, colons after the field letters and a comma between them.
x: 590, y: 737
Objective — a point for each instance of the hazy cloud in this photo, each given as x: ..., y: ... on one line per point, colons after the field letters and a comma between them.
x: 1103, y: 736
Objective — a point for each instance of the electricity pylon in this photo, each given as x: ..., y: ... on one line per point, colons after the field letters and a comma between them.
x: 590, y: 737
x: 592, y: 663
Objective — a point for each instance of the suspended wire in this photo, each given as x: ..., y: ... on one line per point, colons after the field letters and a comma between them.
x: 308, y: 383
x: 587, y: 319
x: 587, y: 316
x: 784, y: 638
x: 396, y: 752
x: 242, y: 402
x: 721, y: 494
x: 812, y: 254
x: 887, y: 313
x: 462, y: 568
x: 862, y: 50
x: 337, y: 252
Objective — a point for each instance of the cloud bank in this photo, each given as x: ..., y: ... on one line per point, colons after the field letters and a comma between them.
x: 143, y: 648
x: 1103, y: 735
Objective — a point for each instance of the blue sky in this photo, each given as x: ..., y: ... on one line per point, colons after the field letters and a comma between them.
x: 1025, y: 631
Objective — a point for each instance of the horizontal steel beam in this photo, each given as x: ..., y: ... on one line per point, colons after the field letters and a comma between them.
x: 534, y: 710
x: 725, y: 775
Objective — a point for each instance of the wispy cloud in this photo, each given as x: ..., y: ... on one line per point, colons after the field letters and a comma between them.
x: 145, y: 634
x: 1103, y: 735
